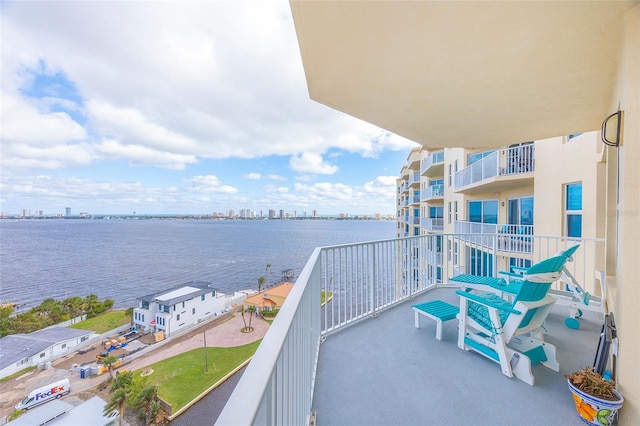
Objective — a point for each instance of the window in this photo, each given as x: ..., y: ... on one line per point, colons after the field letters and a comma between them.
x: 193, y: 311
x: 573, y: 136
x: 64, y: 345
x: 455, y: 210
x: 480, y: 263
x: 42, y: 355
x: 519, y: 263
x: 435, y: 212
x: 483, y: 211
x: 573, y: 209
x: 183, y: 304
x: 450, y: 173
x: 202, y: 297
x: 449, y: 212
x: 178, y: 317
x: 472, y: 158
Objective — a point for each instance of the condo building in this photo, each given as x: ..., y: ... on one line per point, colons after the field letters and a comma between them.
x: 515, y: 192
x: 528, y: 117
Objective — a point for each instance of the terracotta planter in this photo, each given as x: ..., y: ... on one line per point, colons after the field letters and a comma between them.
x: 595, y: 411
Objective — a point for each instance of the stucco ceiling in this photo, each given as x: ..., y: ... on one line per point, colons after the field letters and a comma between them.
x: 465, y: 74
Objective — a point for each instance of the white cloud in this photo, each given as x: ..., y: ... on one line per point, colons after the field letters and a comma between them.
x: 210, y: 184
x: 140, y: 155
x: 309, y: 162
x: 326, y: 190
x: 277, y: 177
x: 276, y: 189
x: 25, y: 123
x: 175, y: 85
x: 382, y: 185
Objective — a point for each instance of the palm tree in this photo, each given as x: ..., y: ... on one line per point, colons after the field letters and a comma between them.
x: 261, y: 281
x: 108, y: 361
x: 251, y: 309
x: 242, y: 309
x: 116, y: 404
x: 146, y: 404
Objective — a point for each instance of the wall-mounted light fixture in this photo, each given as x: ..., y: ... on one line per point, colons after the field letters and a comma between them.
x: 611, y: 126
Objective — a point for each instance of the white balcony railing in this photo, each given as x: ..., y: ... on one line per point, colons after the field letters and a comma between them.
x: 432, y: 223
x: 503, y: 162
x: 414, y: 178
x: 431, y: 160
x: 432, y: 192
x: 359, y: 281
x: 510, y: 238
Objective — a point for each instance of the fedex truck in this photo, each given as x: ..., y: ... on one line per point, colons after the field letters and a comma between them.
x: 44, y: 394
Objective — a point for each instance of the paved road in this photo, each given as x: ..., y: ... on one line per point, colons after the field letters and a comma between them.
x: 207, y: 410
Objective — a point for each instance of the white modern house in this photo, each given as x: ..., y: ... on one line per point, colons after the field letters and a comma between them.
x: 178, y: 308
x: 19, y: 351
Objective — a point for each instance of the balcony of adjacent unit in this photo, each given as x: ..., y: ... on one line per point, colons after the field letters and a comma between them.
x: 414, y: 180
x: 509, y: 238
x: 413, y: 161
x: 344, y: 349
x: 434, y: 221
x: 434, y: 192
x: 415, y: 198
x: 497, y: 171
x: 433, y: 165
x: 434, y: 224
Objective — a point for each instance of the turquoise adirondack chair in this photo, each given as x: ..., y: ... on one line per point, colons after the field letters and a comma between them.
x: 507, y: 330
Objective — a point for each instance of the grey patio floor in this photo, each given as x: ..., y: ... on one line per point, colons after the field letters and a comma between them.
x: 384, y: 371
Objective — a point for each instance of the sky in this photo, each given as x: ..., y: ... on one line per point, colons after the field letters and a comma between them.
x: 176, y: 107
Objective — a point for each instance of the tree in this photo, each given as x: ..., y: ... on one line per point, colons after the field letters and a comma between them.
x: 251, y: 309
x: 129, y: 313
x: 242, y: 310
x: 122, y: 380
x: 146, y: 404
x: 108, y: 361
x: 116, y: 403
x: 261, y: 281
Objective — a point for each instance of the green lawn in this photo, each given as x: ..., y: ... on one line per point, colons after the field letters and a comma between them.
x: 181, y: 378
x: 104, y: 322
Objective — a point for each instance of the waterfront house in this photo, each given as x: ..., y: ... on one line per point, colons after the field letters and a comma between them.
x: 270, y: 299
x: 19, y: 351
x: 178, y: 308
x: 477, y: 76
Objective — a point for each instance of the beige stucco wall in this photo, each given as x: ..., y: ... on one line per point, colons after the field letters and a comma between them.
x: 625, y: 302
x: 560, y: 162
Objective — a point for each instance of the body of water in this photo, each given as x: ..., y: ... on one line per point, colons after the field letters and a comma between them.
x: 125, y: 259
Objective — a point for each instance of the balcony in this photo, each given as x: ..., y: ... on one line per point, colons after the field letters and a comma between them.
x: 360, y: 360
x: 499, y: 171
x: 433, y: 165
x: 510, y: 238
x: 432, y: 223
x: 413, y: 161
x: 414, y: 180
x: 415, y: 199
x: 433, y: 193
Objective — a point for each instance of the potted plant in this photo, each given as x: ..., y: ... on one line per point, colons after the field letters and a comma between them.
x: 597, y: 401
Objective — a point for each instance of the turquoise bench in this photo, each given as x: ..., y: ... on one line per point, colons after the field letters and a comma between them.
x: 436, y: 310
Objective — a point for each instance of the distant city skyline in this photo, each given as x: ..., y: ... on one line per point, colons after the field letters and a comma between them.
x: 229, y: 213
x: 200, y: 109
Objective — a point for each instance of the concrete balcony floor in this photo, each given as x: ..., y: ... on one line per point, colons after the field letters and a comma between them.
x: 384, y: 371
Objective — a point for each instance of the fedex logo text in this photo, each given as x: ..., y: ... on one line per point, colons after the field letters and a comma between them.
x: 54, y: 390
